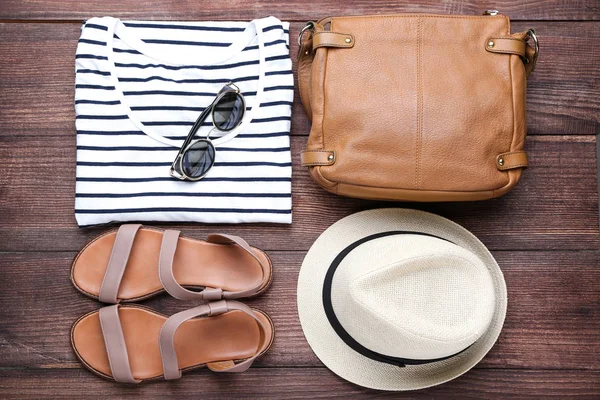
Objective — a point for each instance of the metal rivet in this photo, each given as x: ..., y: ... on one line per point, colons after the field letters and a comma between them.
x: 306, y: 52
x: 348, y: 40
x: 330, y: 157
x: 491, y: 43
x: 501, y: 161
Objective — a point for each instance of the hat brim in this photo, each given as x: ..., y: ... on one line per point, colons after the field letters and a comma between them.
x: 335, y: 353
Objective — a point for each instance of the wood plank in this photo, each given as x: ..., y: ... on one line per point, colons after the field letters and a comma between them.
x: 553, y: 318
x: 281, y: 383
x: 556, y: 75
x: 563, y: 98
x: 553, y: 207
x: 551, y: 338
x: 302, y: 11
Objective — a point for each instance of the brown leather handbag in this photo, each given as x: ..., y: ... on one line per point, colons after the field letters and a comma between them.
x: 415, y: 107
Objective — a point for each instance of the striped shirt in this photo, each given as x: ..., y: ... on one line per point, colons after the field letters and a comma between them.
x: 139, y: 88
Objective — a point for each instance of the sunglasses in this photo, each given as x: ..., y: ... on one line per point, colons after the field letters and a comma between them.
x: 196, y: 157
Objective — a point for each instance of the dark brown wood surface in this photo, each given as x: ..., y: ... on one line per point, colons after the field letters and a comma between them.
x: 550, y: 307
x: 544, y: 234
x: 289, y: 10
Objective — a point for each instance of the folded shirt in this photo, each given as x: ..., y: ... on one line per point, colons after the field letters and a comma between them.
x: 139, y: 88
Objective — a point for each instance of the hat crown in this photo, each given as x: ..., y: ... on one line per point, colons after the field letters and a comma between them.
x: 413, y: 296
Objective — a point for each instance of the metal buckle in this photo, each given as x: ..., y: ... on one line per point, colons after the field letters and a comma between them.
x: 536, y: 46
x: 309, y: 25
x: 491, y: 12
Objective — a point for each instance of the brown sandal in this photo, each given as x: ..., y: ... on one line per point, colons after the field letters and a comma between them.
x: 135, y: 262
x: 131, y: 343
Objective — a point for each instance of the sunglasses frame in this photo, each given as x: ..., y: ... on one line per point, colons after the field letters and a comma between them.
x: 189, y: 142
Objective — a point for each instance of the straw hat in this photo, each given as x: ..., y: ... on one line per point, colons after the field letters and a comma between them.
x: 398, y: 299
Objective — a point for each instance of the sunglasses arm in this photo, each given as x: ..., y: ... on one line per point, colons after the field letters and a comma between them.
x: 196, y: 126
x: 189, y: 138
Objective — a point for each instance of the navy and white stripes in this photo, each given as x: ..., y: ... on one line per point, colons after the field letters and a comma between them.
x: 139, y: 88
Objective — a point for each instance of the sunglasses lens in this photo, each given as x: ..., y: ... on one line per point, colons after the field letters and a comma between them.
x: 198, y: 159
x: 229, y: 111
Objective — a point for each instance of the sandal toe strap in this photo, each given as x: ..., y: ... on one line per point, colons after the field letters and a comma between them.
x: 115, y: 345
x: 117, y: 263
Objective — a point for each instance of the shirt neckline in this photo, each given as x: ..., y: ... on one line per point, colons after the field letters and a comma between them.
x: 254, y: 28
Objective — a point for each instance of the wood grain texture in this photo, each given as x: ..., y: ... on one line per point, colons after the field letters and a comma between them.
x: 544, y: 234
x: 298, y: 383
x: 38, y: 63
x: 302, y: 11
x: 552, y: 322
x: 553, y: 207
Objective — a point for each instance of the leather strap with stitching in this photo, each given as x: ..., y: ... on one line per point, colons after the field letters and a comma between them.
x: 516, y: 44
x: 167, y: 338
x: 332, y: 39
x: 506, y: 45
x: 512, y: 160
x: 311, y: 158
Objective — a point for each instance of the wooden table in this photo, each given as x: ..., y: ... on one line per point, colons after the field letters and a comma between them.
x: 544, y: 234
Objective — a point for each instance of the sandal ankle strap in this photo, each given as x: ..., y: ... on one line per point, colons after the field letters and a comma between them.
x: 167, y: 337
